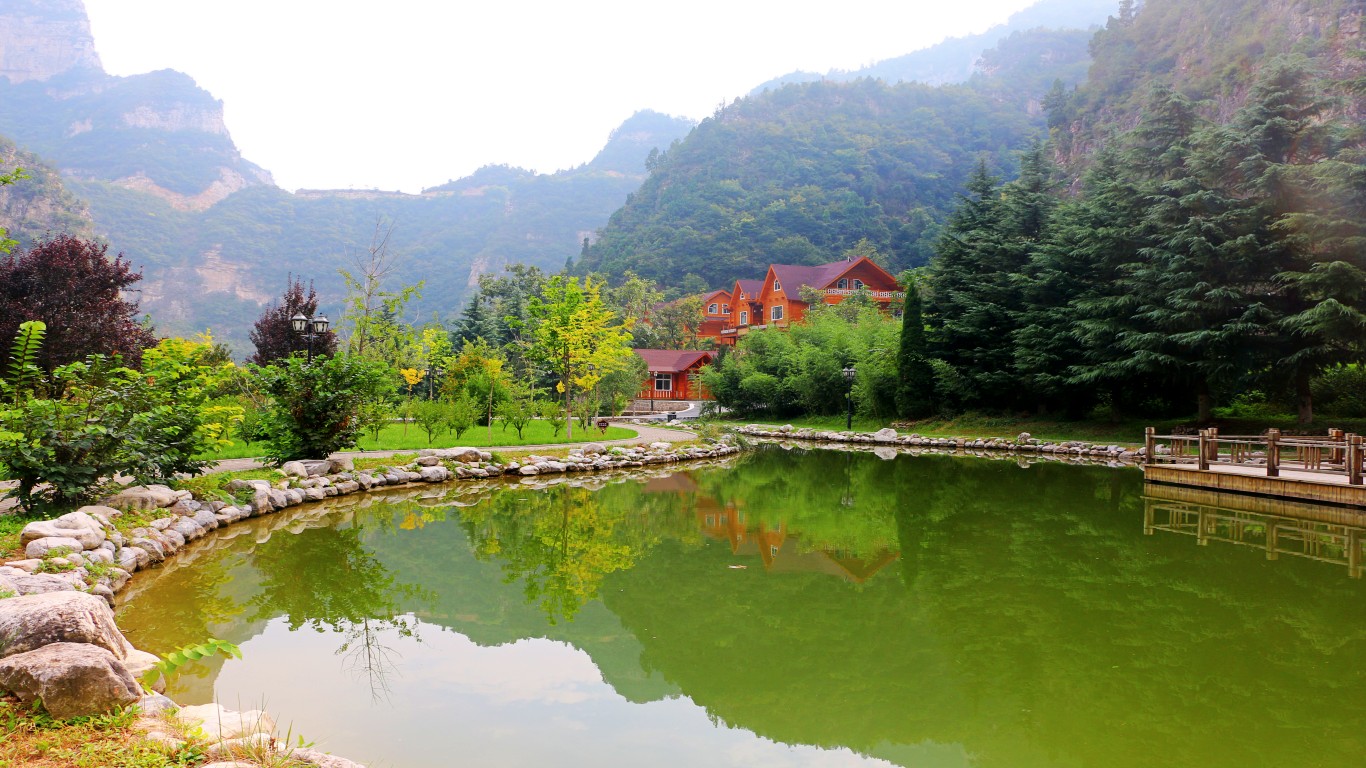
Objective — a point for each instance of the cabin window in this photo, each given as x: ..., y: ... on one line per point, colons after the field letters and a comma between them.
x: 725, y: 309
x: 844, y: 283
x: 711, y: 309
x: 776, y: 313
x: 858, y: 284
x: 777, y: 286
x: 664, y: 382
x: 772, y: 551
x: 744, y: 317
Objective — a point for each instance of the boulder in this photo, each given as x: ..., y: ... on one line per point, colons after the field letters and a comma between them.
x: 23, y: 583
x: 42, y: 548
x: 144, y: 497
x: 593, y: 449
x: 886, y: 433
x: 435, y: 474
x: 428, y: 461
x: 71, y: 679
x: 139, y: 663
x: 342, y: 464
x: 321, y: 759
x: 188, y: 528
x: 661, y: 446
x: 32, y: 621
x: 73, y: 525
x: 221, y: 724
x: 294, y: 469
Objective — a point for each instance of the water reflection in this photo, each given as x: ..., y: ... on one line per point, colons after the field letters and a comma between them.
x: 1323, y: 534
x: 955, y: 612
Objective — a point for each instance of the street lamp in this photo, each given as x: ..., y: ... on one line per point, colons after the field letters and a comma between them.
x: 849, y: 373
x: 309, y: 328
x: 433, y: 376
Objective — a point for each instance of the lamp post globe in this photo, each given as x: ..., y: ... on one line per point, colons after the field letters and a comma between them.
x: 849, y: 373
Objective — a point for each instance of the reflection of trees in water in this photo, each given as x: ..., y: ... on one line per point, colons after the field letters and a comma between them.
x: 560, y: 542
x: 326, y: 579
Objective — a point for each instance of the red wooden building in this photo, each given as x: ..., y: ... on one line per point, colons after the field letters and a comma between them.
x: 672, y: 374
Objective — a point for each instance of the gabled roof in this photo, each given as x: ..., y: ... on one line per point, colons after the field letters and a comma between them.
x: 707, y: 297
x: 749, y: 287
x: 673, y: 360
x: 818, y: 276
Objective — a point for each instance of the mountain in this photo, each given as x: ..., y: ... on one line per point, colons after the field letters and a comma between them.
x: 157, y: 172
x: 956, y: 59
x: 1211, y: 51
x: 806, y: 172
x: 216, y: 267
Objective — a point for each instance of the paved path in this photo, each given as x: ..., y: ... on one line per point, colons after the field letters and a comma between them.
x: 644, y: 435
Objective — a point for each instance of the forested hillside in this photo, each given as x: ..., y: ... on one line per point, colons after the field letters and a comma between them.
x: 1216, y: 248
x: 957, y: 59
x: 803, y: 173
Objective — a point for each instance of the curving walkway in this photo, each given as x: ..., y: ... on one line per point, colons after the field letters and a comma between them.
x: 644, y: 434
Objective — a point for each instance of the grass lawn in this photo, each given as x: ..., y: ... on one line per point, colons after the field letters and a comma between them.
x: 396, y: 438
x: 32, y: 739
x: 1127, y: 433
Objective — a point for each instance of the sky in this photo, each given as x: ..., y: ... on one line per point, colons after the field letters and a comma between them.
x: 407, y: 94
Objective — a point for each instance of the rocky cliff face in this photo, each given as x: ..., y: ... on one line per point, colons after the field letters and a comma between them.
x: 42, y: 38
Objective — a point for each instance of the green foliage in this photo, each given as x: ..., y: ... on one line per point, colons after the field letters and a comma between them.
x: 21, y: 376
x: 799, y: 370
x: 915, y: 376
x: 315, y: 407
x: 464, y: 414
x: 171, y: 663
x: 432, y: 415
x: 1341, y: 391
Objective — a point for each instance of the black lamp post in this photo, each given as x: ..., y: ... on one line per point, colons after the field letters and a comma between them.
x: 849, y: 374
x: 309, y: 328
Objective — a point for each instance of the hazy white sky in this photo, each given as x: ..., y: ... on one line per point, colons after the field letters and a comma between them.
x: 405, y: 94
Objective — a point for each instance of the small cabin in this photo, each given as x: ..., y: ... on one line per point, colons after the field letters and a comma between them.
x: 673, y: 373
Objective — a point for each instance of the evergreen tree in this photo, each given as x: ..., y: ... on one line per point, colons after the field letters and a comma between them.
x: 915, y: 376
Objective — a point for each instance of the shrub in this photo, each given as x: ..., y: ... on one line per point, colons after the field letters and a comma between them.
x: 315, y: 407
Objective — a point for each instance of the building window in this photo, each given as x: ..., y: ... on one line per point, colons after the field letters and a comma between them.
x: 744, y: 317
x: 772, y: 551
x: 776, y: 312
x: 664, y: 382
x: 725, y: 309
x: 777, y: 286
x: 844, y: 283
x: 858, y: 284
x: 711, y: 309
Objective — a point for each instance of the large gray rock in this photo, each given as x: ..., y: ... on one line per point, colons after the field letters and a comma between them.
x: 220, y: 724
x: 593, y: 449
x: 457, y: 454
x: 145, y: 497
x: 435, y: 474
x: 886, y: 433
x: 42, y: 548
x: 71, y: 679
x: 73, y: 525
x: 32, y: 621
x: 322, y: 759
x: 18, y: 581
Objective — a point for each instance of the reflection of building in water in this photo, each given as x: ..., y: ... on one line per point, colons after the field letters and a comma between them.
x: 1325, y: 534
x: 777, y: 547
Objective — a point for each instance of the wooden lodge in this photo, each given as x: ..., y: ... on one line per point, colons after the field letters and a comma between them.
x: 776, y: 301
x: 673, y: 374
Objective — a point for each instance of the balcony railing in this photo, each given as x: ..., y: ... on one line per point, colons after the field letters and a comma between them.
x: 668, y: 394
x: 875, y: 294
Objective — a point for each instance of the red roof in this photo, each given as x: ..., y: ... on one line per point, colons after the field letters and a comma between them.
x: 673, y: 360
x: 750, y: 288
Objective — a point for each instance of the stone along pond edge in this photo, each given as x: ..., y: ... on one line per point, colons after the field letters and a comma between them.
x: 59, y: 642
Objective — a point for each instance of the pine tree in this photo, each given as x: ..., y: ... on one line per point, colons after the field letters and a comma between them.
x: 915, y: 376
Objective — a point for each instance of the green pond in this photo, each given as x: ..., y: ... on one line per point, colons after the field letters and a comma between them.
x: 787, y: 607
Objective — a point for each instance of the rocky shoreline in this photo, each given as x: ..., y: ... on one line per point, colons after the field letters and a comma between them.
x: 60, y: 642
x: 1023, y: 444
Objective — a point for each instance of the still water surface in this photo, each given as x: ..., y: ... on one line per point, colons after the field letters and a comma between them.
x: 787, y: 608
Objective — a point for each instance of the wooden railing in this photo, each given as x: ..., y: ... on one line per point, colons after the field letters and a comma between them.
x: 666, y: 394
x: 1337, y: 453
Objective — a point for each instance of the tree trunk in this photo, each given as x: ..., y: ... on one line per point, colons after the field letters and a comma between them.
x: 1204, y: 403
x: 1304, y: 399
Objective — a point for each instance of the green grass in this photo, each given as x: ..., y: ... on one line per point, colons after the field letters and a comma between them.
x: 1126, y: 432
x: 394, y: 438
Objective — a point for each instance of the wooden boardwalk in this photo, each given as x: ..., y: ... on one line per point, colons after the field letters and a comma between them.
x: 1318, y: 470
